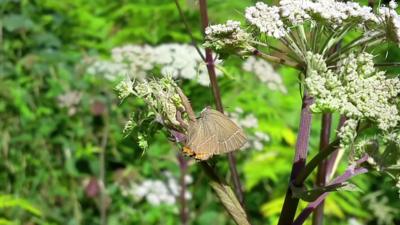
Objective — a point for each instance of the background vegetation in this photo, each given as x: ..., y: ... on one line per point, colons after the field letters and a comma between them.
x: 51, y: 164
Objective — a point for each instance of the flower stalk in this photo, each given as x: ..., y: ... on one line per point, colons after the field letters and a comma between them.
x: 217, y: 98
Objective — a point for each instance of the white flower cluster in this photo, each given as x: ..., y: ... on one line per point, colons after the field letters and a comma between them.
x: 125, y: 88
x: 393, y: 137
x: 356, y: 90
x: 160, y: 95
x: 391, y: 20
x: 336, y: 13
x: 295, y: 11
x: 353, y: 221
x: 348, y: 133
x: 228, y: 36
x: 265, y: 73
x: 157, y: 192
x: 256, y: 138
x: 178, y: 60
x: 276, y: 21
x: 70, y: 100
x: 267, y: 19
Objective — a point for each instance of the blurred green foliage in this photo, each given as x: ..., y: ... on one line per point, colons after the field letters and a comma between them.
x: 48, y: 153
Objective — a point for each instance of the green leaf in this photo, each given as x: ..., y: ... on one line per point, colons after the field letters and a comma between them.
x: 289, y: 136
x: 272, y: 207
x: 14, y: 22
x: 7, y: 222
x: 313, y: 194
x: 226, y: 196
x: 7, y: 201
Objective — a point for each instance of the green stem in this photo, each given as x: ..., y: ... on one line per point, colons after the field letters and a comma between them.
x: 362, y: 40
x: 388, y: 64
x: 314, y: 36
x: 278, y: 60
x: 334, y: 39
x: 292, y: 44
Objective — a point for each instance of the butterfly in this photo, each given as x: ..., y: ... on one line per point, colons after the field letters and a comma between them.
x: 213, y: 134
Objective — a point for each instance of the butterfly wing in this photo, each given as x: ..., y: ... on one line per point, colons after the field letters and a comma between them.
x: 200, y: 141
x: 228, y: 136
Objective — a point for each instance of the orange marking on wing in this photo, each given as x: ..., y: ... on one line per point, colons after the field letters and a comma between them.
x: 187, y: 151
x: 201, y: 156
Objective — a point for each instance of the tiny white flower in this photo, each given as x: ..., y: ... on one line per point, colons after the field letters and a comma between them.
x: 250, y: 121
x: 153, y: 199
x: 125, y: 88
x: 258, y: 145
x: 188, y: 179
x: 267, y: 19
x: 265, y: 73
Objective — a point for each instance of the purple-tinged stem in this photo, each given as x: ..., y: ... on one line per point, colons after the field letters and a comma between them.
x: 184, y: 213
x: 290, y: 204
x: 326, y: 123
x: 349, y: 173
x: 217, y: 98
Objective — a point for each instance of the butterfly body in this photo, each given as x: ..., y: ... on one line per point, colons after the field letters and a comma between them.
x: 213, y: 134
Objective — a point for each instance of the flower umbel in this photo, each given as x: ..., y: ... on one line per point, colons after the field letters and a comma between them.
x: 228, y: 38
x: 357, y: 90
x: 160, y: 96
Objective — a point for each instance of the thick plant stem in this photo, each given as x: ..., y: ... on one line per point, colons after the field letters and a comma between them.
x: 184, y: 213
x: 326, y: 123
x: 290, y: 204
x: 217, y: 98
